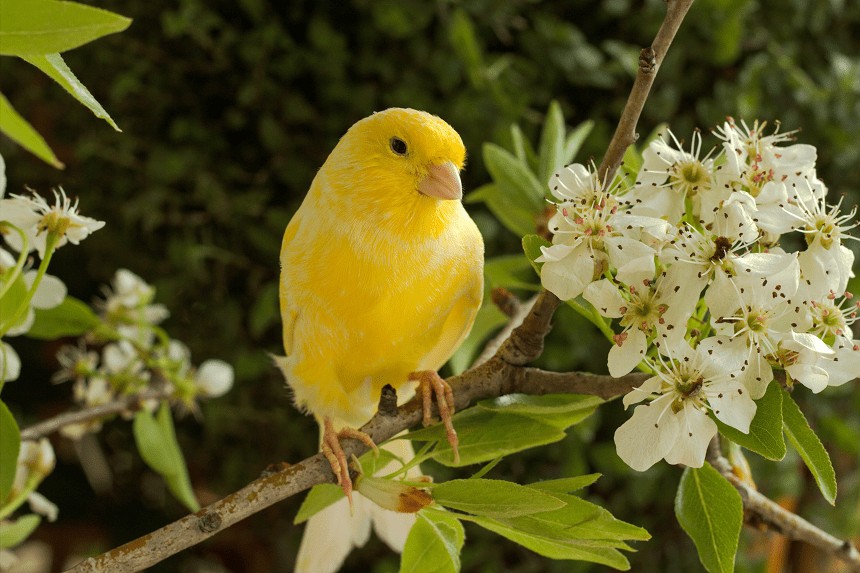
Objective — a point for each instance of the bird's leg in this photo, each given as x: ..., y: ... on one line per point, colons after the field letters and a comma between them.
x: 431, y: 384
x: 333, y: 452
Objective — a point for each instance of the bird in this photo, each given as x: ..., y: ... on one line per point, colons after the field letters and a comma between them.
x: 381, y: 280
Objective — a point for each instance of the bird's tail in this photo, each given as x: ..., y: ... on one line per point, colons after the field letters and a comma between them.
x: 332, y: 533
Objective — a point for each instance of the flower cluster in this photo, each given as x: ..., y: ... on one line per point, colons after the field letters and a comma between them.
x: 719, y: 268
x: 138, y: 356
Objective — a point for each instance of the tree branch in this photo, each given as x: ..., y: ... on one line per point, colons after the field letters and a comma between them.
x: 759, y: 509
x: 500, y: 375
x: 650, y: 60
x: 124, y: 404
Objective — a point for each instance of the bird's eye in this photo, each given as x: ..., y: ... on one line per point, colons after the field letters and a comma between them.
x: 398, y: 146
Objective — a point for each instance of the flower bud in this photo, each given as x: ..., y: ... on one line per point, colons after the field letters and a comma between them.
x: 393, y: 495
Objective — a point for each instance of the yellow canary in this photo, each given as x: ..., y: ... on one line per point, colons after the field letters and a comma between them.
x: 382, y: 275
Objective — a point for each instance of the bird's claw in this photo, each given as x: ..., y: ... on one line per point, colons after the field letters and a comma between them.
x: 432, y: 385
x: 333, y: 452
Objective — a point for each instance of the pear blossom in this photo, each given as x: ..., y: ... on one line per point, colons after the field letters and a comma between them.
x: 129, y: 307
x: 673, y: 423
x: 10, y: 363
x: 37, y: 219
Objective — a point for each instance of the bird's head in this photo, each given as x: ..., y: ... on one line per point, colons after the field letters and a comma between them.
x: 405, y: 160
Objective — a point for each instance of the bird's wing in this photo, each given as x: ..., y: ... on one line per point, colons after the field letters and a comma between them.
x: 288, y: 310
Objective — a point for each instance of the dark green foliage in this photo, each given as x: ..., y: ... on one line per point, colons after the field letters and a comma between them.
x: 229, y: 108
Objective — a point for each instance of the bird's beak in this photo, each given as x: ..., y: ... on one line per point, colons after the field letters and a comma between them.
x: 442, y: 182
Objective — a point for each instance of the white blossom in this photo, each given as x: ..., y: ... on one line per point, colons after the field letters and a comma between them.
x: 36, y: 218
x: 214, y: 378
x: 10, y: 363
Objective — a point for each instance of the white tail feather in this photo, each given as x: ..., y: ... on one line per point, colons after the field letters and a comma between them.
x: 332, y: 533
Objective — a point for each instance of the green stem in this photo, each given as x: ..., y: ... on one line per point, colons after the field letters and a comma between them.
x: 32, y: 481
x: 22, y: 258
x: 50, y: 247
x: 594, y: 318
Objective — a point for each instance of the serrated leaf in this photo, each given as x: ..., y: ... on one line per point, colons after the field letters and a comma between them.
x: 319, y: 497
x: 514, y: 177
x: 155, y: 437
x: 765, y: 436
x: 21, y: 132
x: 493, y: 498
x: 10, y: 445
x: 575, y: 139
x: 433, y: 545
x: 71, y: 317
x: 54, y: 66
x: 15, y: 532
x: 531, y: 247
x: 48, y: 26
x: 810, y: 448
x: 551, y: 149
x: 710, y: 510
x: 565, y: 485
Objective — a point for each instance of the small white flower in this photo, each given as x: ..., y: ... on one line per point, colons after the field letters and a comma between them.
x: 37, y: 456
x: 36, y: 218
x: 214, y: 378
x: 76, y: 363
x: 674, y: 424
x: 10, y: 363
x: 42, y: 505
x: 128, y: 306
x: 801, y: 355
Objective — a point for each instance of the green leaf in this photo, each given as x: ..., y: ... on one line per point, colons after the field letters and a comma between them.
x: 551, y: 150
x: 807, y: 444
x: 561, y: 410
x: 522, y: 147
x: 531, y: 247
x: 11, y: 301
x: 489, y: 431
x: 513, y: 177
x: 48, y: 26
x: 10, y: 444
x: 765, y: 436
x: 320, y: 497
x: 434, y: 544
x: 565, y: 485
x: 575, y: 139
x: 156, y: 440
x: 15, y: 532
x: 463, y: 39
x: 70, y: 318
x: 514, y: 212
x: 18, y: 130
x: 488, y: 319
x: 54, y: 66
x: 486, y: 435
x: 510, y: 271
x: 493, y: 498
x: 710, y: 510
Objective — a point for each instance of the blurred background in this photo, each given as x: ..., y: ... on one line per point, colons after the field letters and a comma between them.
x: 229, y: 108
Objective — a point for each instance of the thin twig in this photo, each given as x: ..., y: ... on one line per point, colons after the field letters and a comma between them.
x: 759, y: 509
x: 124, y: 404
x: 494, y: 343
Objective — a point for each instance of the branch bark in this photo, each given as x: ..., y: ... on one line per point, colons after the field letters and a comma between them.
x: 502, y: 374
x: 759, y: 509
x: 125, y: 404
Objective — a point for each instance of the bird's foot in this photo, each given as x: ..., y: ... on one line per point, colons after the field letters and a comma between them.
x: 336, y: 457
x: 431, y: 384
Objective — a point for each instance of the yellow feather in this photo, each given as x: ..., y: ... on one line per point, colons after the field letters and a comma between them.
x: 378, y: 279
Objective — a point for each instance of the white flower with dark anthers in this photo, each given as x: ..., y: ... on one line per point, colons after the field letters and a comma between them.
x: 832, y: 317
x: 590, y: 240
x: 674, y: 423
x: 802, y: 355
x: 37, y: 219
x: 646, y: 312
x: 844, y: 366
x: 768, y: 314
x: 577, y: 184
x: 669, y: 176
